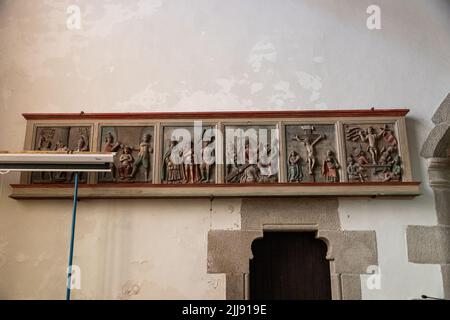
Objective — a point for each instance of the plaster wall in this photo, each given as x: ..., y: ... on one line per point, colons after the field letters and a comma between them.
x: 157, y: 55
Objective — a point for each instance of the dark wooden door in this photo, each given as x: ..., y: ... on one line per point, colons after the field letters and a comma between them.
x: 289, y: 266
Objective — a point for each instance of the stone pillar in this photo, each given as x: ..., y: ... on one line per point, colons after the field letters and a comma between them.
x: 431, y: 244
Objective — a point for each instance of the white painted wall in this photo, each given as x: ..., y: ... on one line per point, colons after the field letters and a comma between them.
x: 206, y: 55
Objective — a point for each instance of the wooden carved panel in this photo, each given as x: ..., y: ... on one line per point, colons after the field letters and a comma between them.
x: 252, y: 154
x: 134, y: 146
x: 311, y: 153
x: 60, y: 139
x: 188, y: 155
x: 372, y: 152
x: 229, y: 154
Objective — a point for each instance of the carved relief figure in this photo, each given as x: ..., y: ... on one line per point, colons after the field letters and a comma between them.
x: 389, y: 136
x: 145, y: 149
x: 267, y: 173
x: 172, y: 172
x: 126, y: 163
x: 306, y: 147
x: 354, y: 170
x: 110, y: 146
x: 82, y: 143
x: 61, y: 176
x: 134, y: 147
x: 45, y: 144
x: 371, y: 137
x: 330, y: 167
x: 295, y: 173
x: 191, y: 166
x: 233, y: 171
x: 386, y: 155
x: 249, y: 174
x: 60, y: 146
x: 395, y: 172
x: 205, y: 167
x: 361, y: 158
x: 309, y: 140
x: 381, y: 147
x: 249, y: 171
x: 65, y: 139
x: 191, y: 158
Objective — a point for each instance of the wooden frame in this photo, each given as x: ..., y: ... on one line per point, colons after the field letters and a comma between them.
x: 219, y: 120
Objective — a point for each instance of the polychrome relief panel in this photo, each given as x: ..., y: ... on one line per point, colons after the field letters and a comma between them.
x: 372, y: 153
x: 311, y: 153
x: 188, y: 155
x: 251, y: 154
x: 60, y: 139
x: 134, y: 146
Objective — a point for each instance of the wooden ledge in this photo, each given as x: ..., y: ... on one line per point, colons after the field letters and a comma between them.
x: 221, y: 114
x: 140, y: 190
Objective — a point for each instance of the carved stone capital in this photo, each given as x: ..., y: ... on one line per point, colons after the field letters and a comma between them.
x: 439, y: 173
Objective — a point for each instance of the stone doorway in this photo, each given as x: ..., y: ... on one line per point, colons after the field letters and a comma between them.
x: 349, y: 253
x: 289, y: 266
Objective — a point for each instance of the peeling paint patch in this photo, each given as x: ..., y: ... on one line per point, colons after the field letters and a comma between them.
x: 147, y: 98
x: 226, y: 84
x: 115, y: 13
x: 310, y: 83
x: 20, y: 257
x: 282, y: 94
x: 256, y: 87
x: 261, y: 52
x: 129, y: 289
x: 321, y: 106
x: 212, y: 101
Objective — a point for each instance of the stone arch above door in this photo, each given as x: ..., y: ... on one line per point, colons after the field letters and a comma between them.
x: 437, y: 144
x: 349, y: 252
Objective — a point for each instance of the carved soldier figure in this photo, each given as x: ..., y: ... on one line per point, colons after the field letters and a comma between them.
x: 330, y: 167
x: 249, y: 174
x: 295, y: 173
x: 206, y: 165
x: 361, y: 158
x: 143, y: 159
x: 396, y: 171
x: 191, y: 165
x: 233, y: 172
x: 388, y: 135
x: 386, y: 155
x: 172, y: 171
x: 371, y: 137
x: 126, y: 160
x: 354, y: 170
